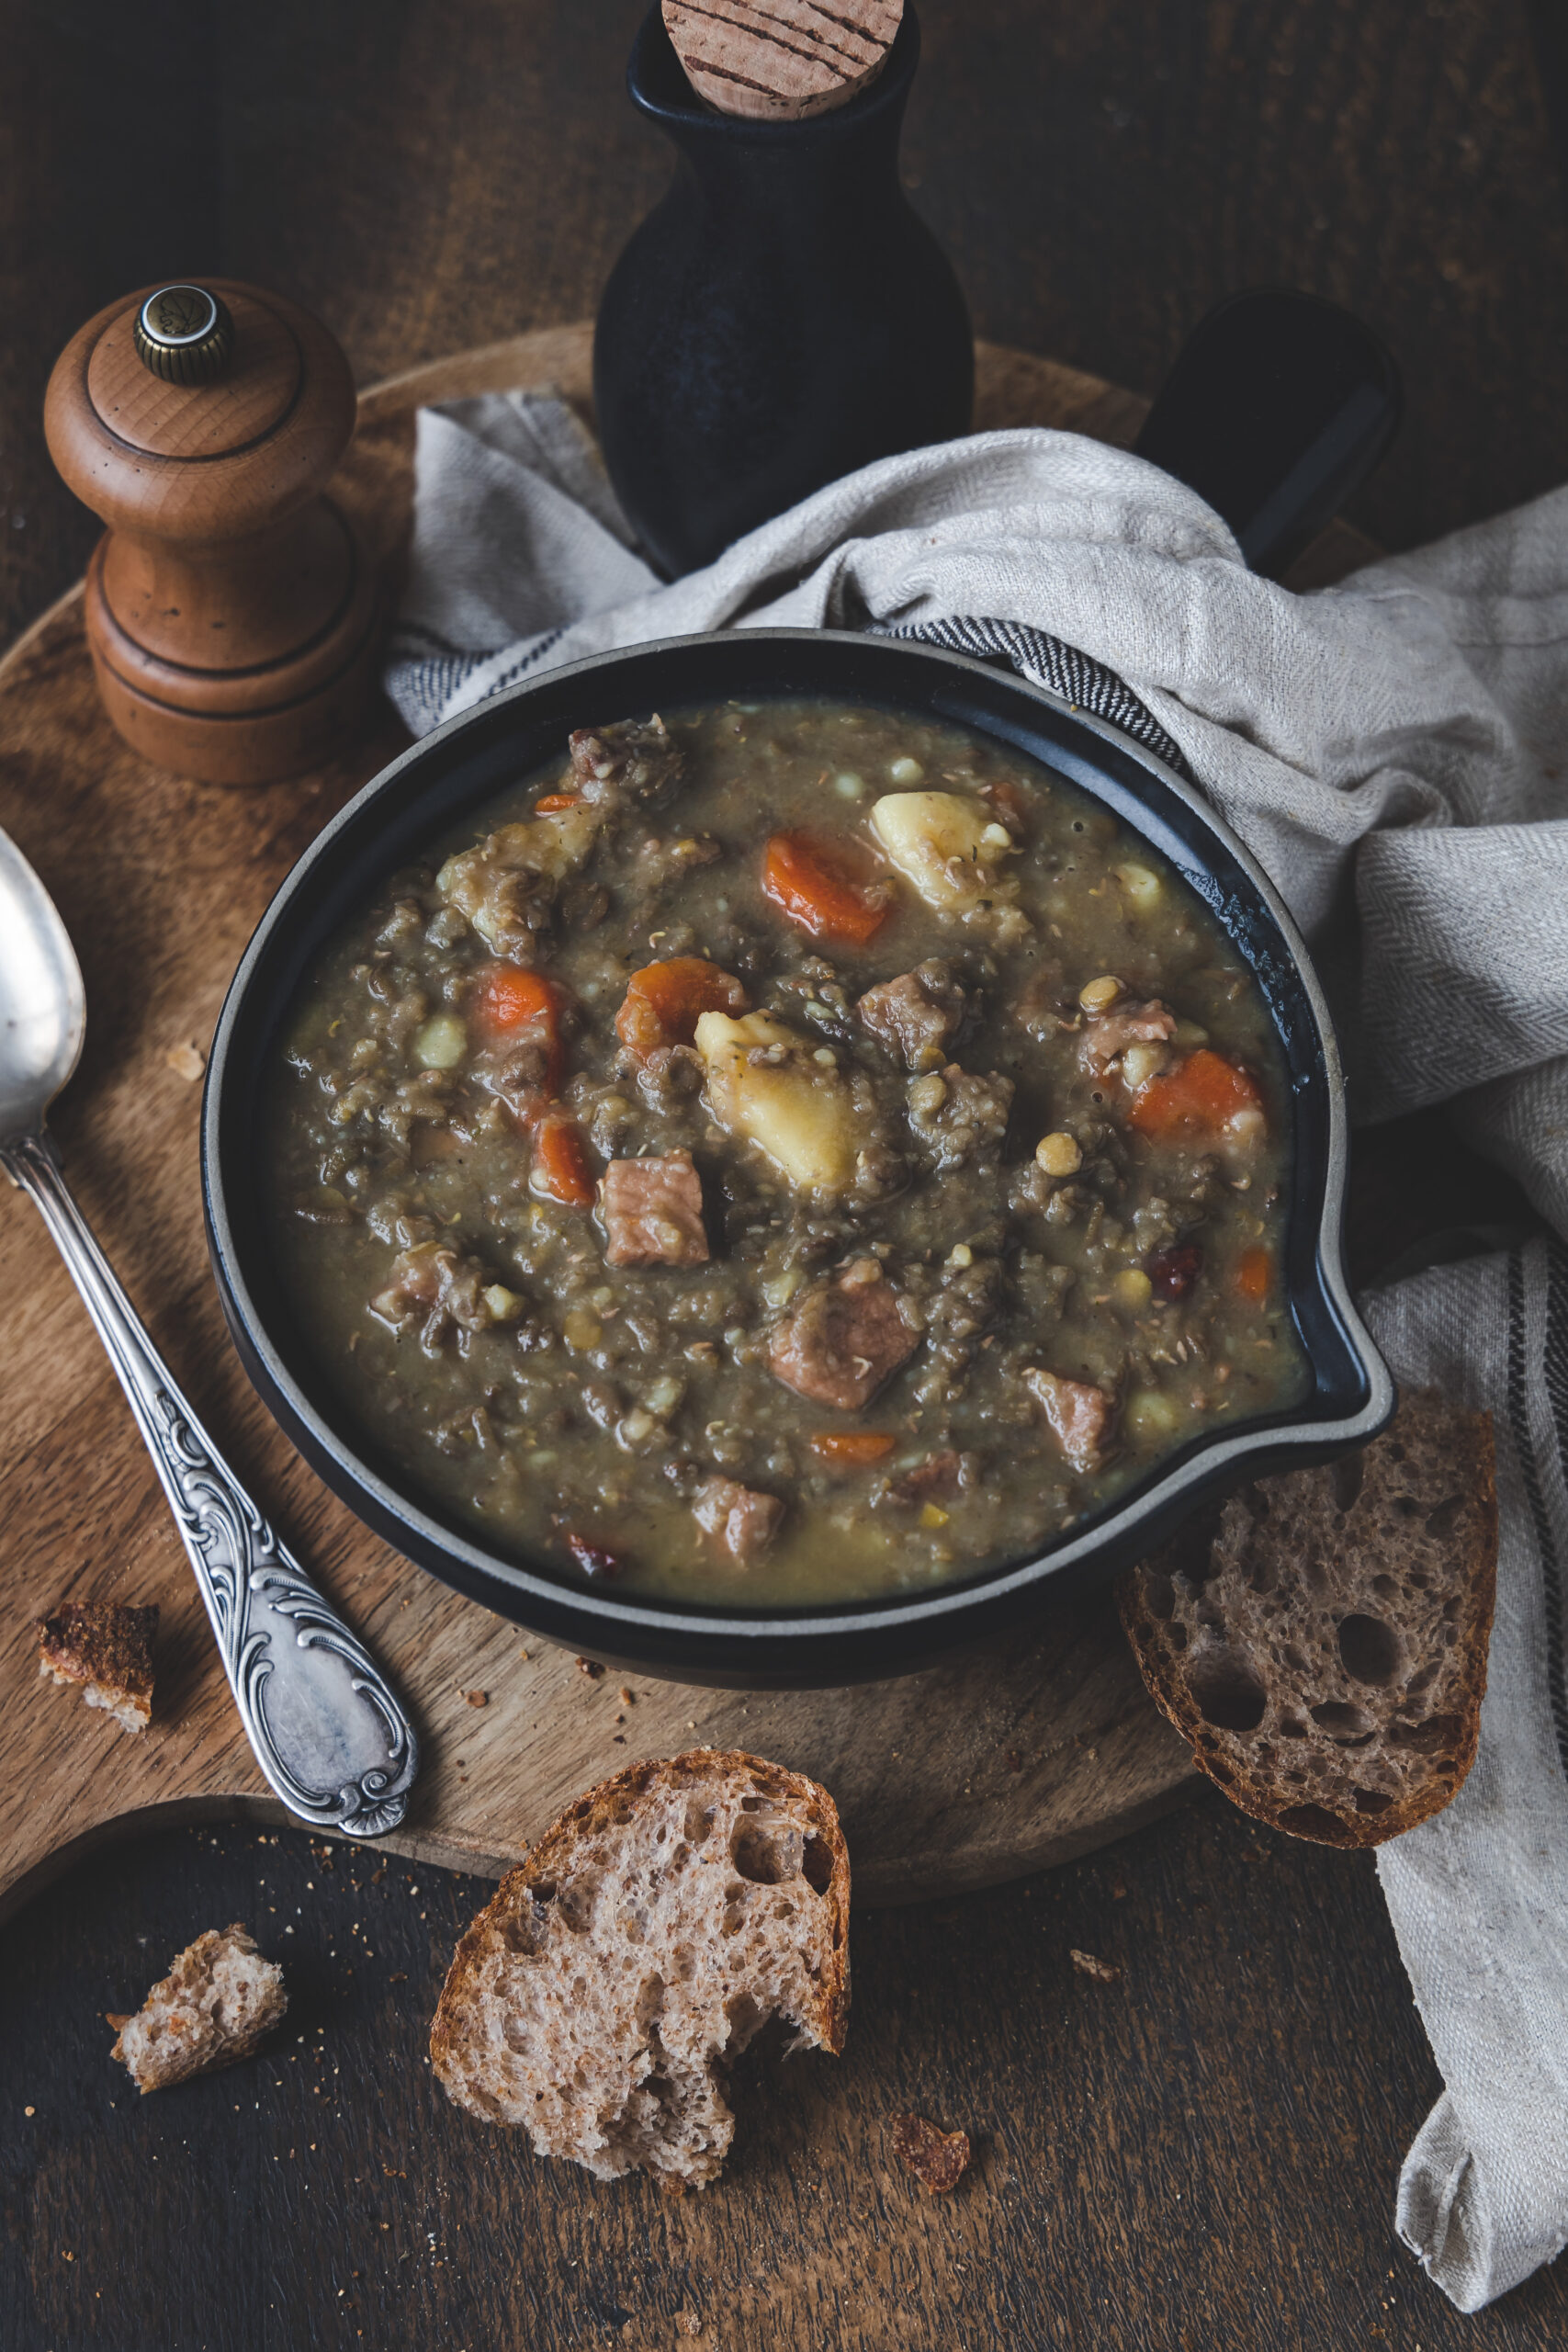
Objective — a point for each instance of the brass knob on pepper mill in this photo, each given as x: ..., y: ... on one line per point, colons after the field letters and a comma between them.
x: 184, y: 333
x: 231, y: 608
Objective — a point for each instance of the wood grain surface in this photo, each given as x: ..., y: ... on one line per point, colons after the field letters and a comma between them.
x: 1022, y: 1752
x: 1201, y: 2157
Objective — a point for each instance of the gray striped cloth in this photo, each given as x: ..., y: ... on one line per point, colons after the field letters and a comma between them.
x: 1393, y: 751
x: 1478, y: 1897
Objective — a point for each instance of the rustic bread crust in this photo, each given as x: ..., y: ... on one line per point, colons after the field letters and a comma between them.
x: 1320, y: 1641
x: 625, y: 2076
x: 104, y: 1649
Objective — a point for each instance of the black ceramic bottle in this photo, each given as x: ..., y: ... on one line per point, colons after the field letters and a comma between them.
x: 783, y: 316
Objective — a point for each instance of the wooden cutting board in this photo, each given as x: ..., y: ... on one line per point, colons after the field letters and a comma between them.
x: 1025, y: 1753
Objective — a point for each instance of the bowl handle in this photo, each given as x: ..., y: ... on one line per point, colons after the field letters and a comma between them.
x: 1279, y: 406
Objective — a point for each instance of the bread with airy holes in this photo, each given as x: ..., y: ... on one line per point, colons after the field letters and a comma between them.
x: 656, y: 1927
x: 213, y: 2009
x: 1319, y: 1639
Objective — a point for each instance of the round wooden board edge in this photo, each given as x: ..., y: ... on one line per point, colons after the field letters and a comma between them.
x: 560, y: 358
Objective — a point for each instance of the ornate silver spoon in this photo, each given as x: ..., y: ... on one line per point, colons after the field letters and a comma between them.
x: 328, y: 1731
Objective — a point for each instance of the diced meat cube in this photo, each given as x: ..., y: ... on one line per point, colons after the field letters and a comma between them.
x: 662, y: 862
x: 448, y: 1288
x: 1108, y: 1035
x: 652, y: 1212
x: 958, y: 1116
x: 635, y: 759
x: 842, y: 1338
x: 505, y: 885
x: 741, y: 1522
x: 1080, y: 1416
x: 938, y: 1474
x: 916, y: 1015
x: 671, y: 1075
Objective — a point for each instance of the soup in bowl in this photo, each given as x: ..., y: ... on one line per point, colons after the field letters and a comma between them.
x: 770, y: 1164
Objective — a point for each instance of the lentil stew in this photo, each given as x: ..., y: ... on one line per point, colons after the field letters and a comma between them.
x: 785, y: 1153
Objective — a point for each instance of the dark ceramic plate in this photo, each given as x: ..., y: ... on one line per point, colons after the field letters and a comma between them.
x: 427, y: 791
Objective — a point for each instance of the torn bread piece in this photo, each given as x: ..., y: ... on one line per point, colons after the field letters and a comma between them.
x: 213, y: 2008
x: 105, y: 1650
x: 648, y: 1937
x: 1320, y: 1640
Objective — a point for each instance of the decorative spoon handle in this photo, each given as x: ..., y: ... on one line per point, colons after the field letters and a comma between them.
x: 327, y: 1728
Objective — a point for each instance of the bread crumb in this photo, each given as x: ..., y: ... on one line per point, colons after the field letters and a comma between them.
x: 938, y: 2159
x: 688, y: 2323
x: 29, y: 2110
x: 476, y: 1698
x: 187, y: 1061
x: 590, y: 1667
x: 213, y: 2008
x: 628, y: 1698
x: 1104, y: 1971
x: 105, y: 1649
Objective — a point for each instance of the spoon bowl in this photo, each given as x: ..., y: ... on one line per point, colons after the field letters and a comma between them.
x: 43, y: 1005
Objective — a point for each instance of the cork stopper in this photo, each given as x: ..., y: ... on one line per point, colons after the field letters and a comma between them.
x: 781, y: 61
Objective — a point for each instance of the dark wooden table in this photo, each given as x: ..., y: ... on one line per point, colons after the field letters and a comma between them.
x: 1202, y: 2153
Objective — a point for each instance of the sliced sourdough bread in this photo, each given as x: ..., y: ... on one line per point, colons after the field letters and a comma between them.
x: 1320, y: 1639
x: 642, y: 1943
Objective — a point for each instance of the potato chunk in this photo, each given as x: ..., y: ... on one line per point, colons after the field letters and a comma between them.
x: 765, y: 1083
x: 950, y: 850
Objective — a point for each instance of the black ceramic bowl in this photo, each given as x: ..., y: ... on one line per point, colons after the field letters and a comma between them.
x: 430, y: 789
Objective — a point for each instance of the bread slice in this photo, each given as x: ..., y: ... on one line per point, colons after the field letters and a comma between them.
x: 1320, y: 1639
x: 211, y: 2009
x: 642, y: 1943
x: 105, y: 1649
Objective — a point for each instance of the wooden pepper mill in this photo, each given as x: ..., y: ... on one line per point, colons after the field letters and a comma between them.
x: 231, y: 608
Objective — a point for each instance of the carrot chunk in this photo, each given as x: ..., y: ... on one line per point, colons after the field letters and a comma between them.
x: 809, y: 884
x: 1204, y: 1094
x: 1254, y: 1273
x: 850, y: 1449
x: 560, y: 1164
x: 664, y: 1001
x: 553, y: 803
x: 517, y: 1004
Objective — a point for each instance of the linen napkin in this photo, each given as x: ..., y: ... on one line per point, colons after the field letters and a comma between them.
x: 1388, y: 750
x: 1479, y: 1895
